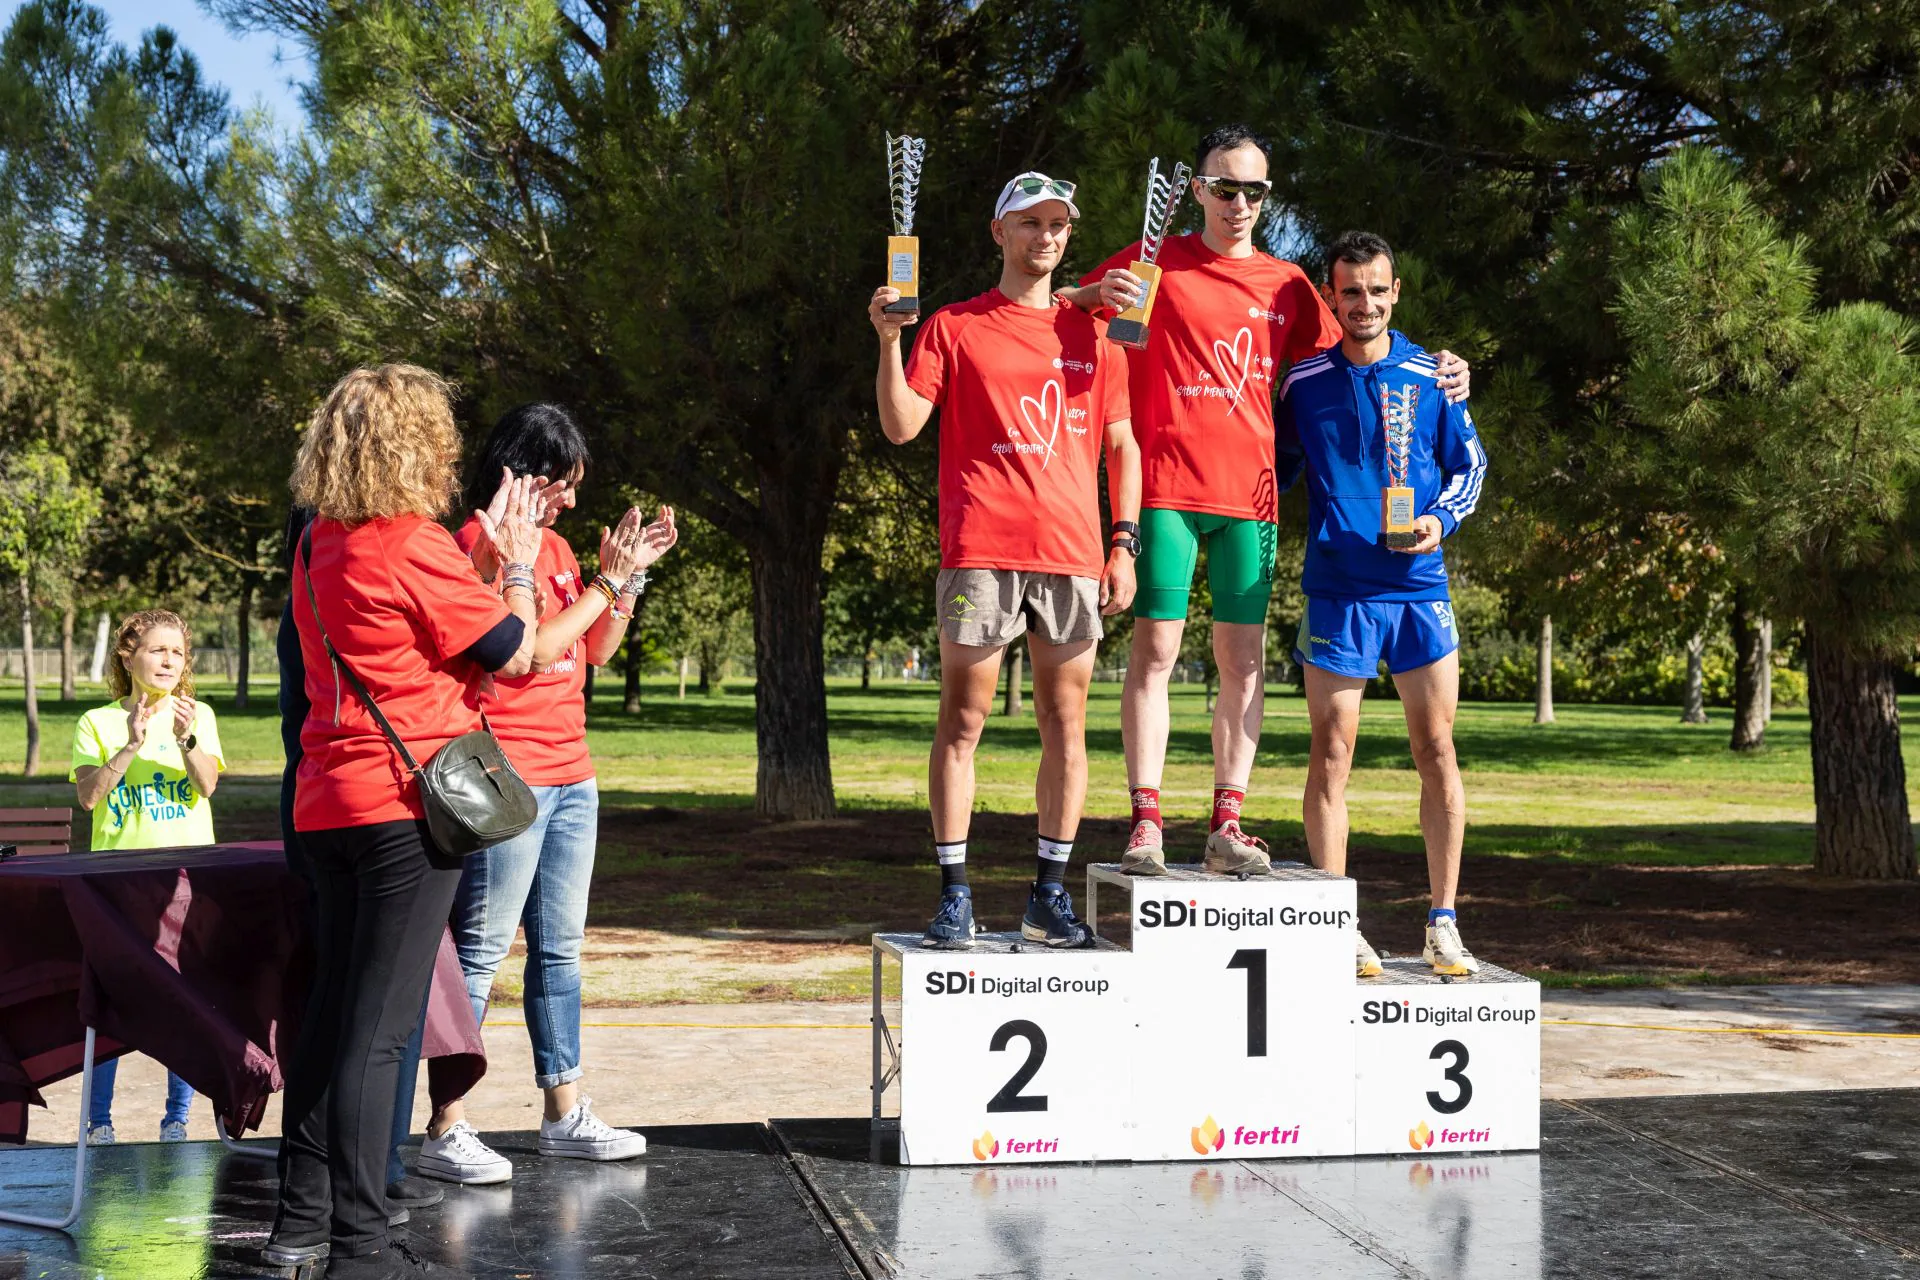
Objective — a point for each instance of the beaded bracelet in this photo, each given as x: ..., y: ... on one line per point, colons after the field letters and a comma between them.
x: 605, y: 588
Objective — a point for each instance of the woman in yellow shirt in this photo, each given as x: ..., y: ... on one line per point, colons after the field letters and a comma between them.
x: 144, y: 766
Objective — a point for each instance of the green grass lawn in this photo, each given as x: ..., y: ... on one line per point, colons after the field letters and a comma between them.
x: 1605, y: 784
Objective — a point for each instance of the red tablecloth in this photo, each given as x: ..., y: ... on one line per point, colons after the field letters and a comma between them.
x: 201, y: 958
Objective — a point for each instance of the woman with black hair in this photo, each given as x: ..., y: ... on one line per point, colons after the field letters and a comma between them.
x: 540, y: 879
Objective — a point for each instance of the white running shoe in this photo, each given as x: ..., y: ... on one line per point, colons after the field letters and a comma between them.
x: 1366, y: 959
x: 1446, y: 953
x: 582, y: 1135
x: 459, y: 1156
x: 1145, y: 855
x: 100, y: 1135
x: 173, y: 1131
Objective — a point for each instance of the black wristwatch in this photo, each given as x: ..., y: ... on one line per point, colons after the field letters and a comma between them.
x: 189, y: 742
x: 1126, y: 536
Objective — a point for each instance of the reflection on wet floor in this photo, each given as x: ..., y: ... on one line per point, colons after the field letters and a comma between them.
x: 1722, y: 1186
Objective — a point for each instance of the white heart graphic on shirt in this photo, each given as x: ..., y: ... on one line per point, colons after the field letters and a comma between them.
x: 1237, y: 358
x: 1046, y: 430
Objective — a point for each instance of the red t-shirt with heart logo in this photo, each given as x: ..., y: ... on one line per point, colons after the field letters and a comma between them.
x: 1222, y: 335
x: 1025, y: 397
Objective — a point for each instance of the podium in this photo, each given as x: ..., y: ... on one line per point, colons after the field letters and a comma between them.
x: 1229, y: 1026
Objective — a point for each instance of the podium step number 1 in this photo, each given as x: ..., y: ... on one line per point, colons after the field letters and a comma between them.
x: 1232, y: 1027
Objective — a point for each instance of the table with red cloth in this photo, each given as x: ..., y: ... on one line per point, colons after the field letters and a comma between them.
x: 201, y: 958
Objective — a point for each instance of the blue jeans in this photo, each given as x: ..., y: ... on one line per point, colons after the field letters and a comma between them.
x: 539, y: 879
x: 100, y: 1107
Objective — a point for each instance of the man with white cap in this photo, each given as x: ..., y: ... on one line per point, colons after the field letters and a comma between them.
x: 1028, y: 394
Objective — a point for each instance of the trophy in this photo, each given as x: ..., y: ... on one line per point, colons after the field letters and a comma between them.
x: 1129, y: 328
x: 1397, y: 410
x: 903, y: 247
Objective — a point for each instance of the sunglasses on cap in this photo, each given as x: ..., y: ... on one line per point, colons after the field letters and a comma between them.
x: 1225, y: 189
x: 1048, y: 186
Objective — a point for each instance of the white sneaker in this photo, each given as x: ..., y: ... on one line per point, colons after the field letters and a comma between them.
x: 1366, y: 960
x: 1446, y: 953
x: 173, y: 1131
x: 459, y: 1156
x: 100, y: 1135
x: 582, y: 1135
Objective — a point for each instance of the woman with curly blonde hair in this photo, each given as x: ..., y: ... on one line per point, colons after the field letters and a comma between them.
x: 144, y: 766
x: 380, y: 589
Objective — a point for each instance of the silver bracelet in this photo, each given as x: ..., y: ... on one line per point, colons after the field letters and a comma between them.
x: 636, y: 583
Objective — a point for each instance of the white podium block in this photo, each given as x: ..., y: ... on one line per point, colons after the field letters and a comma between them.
x: 1010, y: 1051
x: 1243, y: 1012
x: 1445, y: 1064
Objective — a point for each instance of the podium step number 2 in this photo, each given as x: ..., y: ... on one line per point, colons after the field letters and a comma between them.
x: 1232, y: 1028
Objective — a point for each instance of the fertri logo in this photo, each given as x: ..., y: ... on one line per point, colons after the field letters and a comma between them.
x: 1421, y: 1138
x: 1171, y: 913
x: 986, y: 1146
x: 1208, y: 1138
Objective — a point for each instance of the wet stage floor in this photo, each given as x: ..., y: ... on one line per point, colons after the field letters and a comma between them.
x: 1749, y: 1185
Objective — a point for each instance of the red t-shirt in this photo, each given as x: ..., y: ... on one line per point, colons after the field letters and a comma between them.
x: 1222, y: 335
x: 1025, y: 396
x: 541, y: 717
x: 402, y: 604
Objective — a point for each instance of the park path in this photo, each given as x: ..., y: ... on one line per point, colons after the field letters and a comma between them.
x: 680, y: 1064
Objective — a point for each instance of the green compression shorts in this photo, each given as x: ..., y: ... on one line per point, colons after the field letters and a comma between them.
x: 1239, y: 564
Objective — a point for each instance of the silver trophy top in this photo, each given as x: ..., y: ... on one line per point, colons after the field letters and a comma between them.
x: 1163, y: 197
x: 1398, y: 410
x: 904, y: 156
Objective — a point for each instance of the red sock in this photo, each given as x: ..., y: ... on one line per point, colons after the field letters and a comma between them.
x: 1226, y: 805
x: 1146, y: 806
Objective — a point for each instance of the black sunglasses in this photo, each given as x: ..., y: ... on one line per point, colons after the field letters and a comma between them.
x: 1225, y: 189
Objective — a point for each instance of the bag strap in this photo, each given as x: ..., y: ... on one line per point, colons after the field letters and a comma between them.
x: 339, y: 663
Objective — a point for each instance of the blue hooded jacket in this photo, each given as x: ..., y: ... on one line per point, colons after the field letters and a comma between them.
x: 1329, y: 422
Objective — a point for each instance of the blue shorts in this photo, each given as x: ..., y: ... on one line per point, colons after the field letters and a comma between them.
x: 1350, y: 637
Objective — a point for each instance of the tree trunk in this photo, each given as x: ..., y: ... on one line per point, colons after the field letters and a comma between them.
x: 245, y: 670
x: 98, y: 670
x: 682, y: 695
x: 1543, y: 673
x: 1749, y: 676
x: 1766, y: 671
x: 26, y: 660
x: 794, y: 779
x: 1693, y: 702
x: 866, y: 669
x: 69, y: 691
x: 1861, y: 827
x: 1014, y: 680
x: 632, y: 704
x: 706, y: 669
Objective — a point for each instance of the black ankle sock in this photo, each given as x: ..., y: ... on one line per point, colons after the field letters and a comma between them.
x: 953, y: 864
x: 1050, y: 865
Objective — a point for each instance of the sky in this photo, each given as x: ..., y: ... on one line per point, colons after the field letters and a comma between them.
x: 245, y: 66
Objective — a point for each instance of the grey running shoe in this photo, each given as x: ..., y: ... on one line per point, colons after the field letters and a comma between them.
x: 100, y: 1135
x: 1445, y: 952
x: 1144, y: 856
x: 173, y: 1131
x: 1366, y: 959
x: 1232, y: 852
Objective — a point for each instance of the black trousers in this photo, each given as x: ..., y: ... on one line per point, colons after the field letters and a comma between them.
x: 382, y: 905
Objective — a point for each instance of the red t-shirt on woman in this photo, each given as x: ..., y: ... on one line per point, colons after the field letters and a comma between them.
x: 402, y: 605
x: 541, y: 717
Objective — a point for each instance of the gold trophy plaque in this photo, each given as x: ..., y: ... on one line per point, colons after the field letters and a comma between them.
x: 1129, y: 328
x: 1397, y: 414
x: 904, y: 156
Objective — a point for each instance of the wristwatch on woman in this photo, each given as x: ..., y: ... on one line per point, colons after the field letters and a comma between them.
x: 189, y: 743
x: 1126, y: 536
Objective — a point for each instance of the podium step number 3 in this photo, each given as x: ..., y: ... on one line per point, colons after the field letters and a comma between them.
x: 1232, y: 1028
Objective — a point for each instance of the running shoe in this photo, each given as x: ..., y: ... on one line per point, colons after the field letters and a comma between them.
x: 459, y: 1156
x: 1232, y: 852
x: 582, y: 1135
x: 173, y: 1131
x: 100, y: 1135
x: 1145, y: 856
x: 1445, y: 952
x: 952, y: 928
x: 1050, y: 919
x: 1366, y: 959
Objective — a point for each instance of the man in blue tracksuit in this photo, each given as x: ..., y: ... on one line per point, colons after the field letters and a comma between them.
x: 1361, y: 417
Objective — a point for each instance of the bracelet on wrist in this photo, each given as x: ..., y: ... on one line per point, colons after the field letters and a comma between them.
x: 636, y: 583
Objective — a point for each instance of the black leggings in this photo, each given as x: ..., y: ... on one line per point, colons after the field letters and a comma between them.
x: 382, y: 905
